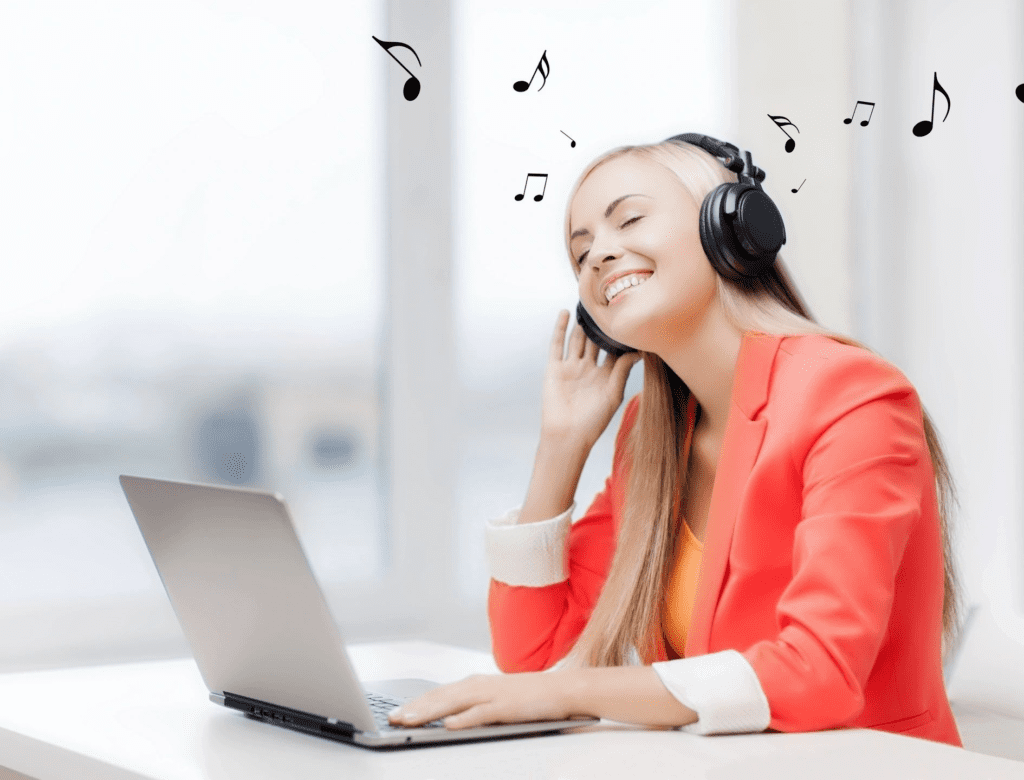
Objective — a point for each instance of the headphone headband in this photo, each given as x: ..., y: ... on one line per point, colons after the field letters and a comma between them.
x: 730, y: 156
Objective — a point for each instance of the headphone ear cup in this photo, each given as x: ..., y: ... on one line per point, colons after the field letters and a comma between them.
x: 595, y: 334
x: 711, y: 237
x: 741, y: 230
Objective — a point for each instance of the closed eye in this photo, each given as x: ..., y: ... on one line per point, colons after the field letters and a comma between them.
x: 631, y: 220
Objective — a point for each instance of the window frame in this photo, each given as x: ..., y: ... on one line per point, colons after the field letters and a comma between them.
x: 416, y: 594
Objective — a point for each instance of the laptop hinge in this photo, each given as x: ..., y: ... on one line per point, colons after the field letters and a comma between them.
x: 284, y: 716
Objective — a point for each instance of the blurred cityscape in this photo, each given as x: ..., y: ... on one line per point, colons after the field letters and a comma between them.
x: 79, y: 406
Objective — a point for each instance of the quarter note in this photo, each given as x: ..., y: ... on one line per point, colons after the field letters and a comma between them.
x: 411, y: 90
x: 859, y: 104
x: 543, y: 67
x: 573, y: 144
x: 922, y: 128
x: 537, y: 198
x: 790, y: 144
x: 1019, y: 92
x: 802, y: 183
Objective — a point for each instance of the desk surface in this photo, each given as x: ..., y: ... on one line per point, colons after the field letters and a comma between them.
x: 153, y: 720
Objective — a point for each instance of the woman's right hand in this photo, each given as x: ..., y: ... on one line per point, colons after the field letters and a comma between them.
x: 580, y: 397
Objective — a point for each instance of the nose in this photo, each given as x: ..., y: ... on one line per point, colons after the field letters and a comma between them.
x: 604, y: 249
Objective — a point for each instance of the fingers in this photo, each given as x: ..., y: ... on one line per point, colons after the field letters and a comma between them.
x: 441, y: 702
x: 577, y: 343
x: 623, y: 364
x: 478, y: 715
x: 558, y: 337
x: 413, y: 713
x: 485, y: 699
x: 411, y: 716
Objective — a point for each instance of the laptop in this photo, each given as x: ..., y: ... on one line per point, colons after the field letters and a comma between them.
x: 258, y: 623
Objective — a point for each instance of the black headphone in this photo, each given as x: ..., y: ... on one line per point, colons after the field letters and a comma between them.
x: 741, y: 229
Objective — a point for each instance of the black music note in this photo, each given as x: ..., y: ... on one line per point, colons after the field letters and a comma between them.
x: 922, y: 128
x: 411, y: 90
x: 540, y: 197
x: 801, y: 186
x: 573, y: 144
x: 1019, y: 92
x: 859, y: 104
x: 790, y: 144
x: 543, y: 67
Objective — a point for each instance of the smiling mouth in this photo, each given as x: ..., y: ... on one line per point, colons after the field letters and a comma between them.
x: 624, y: 284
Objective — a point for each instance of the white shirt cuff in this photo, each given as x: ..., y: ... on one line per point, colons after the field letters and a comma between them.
x: 722, y: 688
x: 531, y: 554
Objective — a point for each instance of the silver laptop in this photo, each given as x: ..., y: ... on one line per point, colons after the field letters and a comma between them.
x: 258, y: 624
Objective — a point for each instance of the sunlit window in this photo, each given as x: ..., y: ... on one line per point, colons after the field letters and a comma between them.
x: 192, y: 282
x: 611, y: 76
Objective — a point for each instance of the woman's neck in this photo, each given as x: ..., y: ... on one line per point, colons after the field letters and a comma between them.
x: 706, y: 361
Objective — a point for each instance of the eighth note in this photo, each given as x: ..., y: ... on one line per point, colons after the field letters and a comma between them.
x: 922, y: 128
x: 859, y: 104
x: 543, y: 67
x: 573, y: 144
x: 537, y: 198
x: 803, y: 182
x: 790, y: 144
x: 411, y: 90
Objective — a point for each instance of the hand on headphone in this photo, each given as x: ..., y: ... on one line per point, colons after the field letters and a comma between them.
x: 580, y: 396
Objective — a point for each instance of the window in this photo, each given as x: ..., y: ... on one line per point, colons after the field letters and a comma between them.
x: 193, y: 290
x: 634, y: 74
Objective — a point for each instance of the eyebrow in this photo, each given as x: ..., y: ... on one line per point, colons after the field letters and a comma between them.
x: 607, y: 212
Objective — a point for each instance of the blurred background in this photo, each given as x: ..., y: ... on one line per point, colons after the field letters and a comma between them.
x: 232, y: 252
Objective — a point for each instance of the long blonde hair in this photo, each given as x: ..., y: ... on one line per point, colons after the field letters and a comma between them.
x: 627, y: 615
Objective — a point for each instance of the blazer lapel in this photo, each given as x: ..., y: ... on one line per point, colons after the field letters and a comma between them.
x: 740, y: 447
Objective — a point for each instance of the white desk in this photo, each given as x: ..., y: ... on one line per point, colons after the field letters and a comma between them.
x: 153, y: 720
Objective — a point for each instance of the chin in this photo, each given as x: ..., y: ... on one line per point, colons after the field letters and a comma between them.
x: 627, y: 339
x: 648, y: 334
x: 630, y: 329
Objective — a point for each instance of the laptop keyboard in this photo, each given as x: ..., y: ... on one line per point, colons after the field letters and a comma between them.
x: 381, y: 706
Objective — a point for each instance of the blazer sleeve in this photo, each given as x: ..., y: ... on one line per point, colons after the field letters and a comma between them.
x: 546, y: 579
x: 865, y: 465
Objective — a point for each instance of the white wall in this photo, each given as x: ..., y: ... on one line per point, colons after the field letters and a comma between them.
x: 927, y: 231
x: 961, y: 194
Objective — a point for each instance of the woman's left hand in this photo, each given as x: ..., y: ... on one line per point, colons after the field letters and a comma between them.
x: 486, y: 699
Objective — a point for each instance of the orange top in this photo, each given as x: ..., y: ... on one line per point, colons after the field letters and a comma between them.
x: 682, y: 586
x: 682, y: 590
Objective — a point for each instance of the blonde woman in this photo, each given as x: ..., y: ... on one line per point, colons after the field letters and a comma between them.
x: 772, y: 548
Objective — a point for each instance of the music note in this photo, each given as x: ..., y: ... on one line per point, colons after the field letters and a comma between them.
x: 790, y: 144
x: 411, y: 90
x: 922, y: 128
x: 859, y: 104
x: 1019, y: 92
x: 543, y: 67
x: 537, y: 198
x: 801, y: 186
x: 573, y: 144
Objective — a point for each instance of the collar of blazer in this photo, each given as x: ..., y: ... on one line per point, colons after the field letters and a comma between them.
x: 753, y: 371
x: 740, y: 446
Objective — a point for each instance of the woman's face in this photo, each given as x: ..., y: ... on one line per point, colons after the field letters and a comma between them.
x: 632, y: 221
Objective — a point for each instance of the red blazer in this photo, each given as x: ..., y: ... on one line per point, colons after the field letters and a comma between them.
x: 822, y: 557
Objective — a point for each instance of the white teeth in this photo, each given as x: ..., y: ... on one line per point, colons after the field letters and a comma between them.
x: 625, y: 282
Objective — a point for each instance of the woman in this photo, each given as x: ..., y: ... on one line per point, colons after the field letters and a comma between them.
x: 772, y: 549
